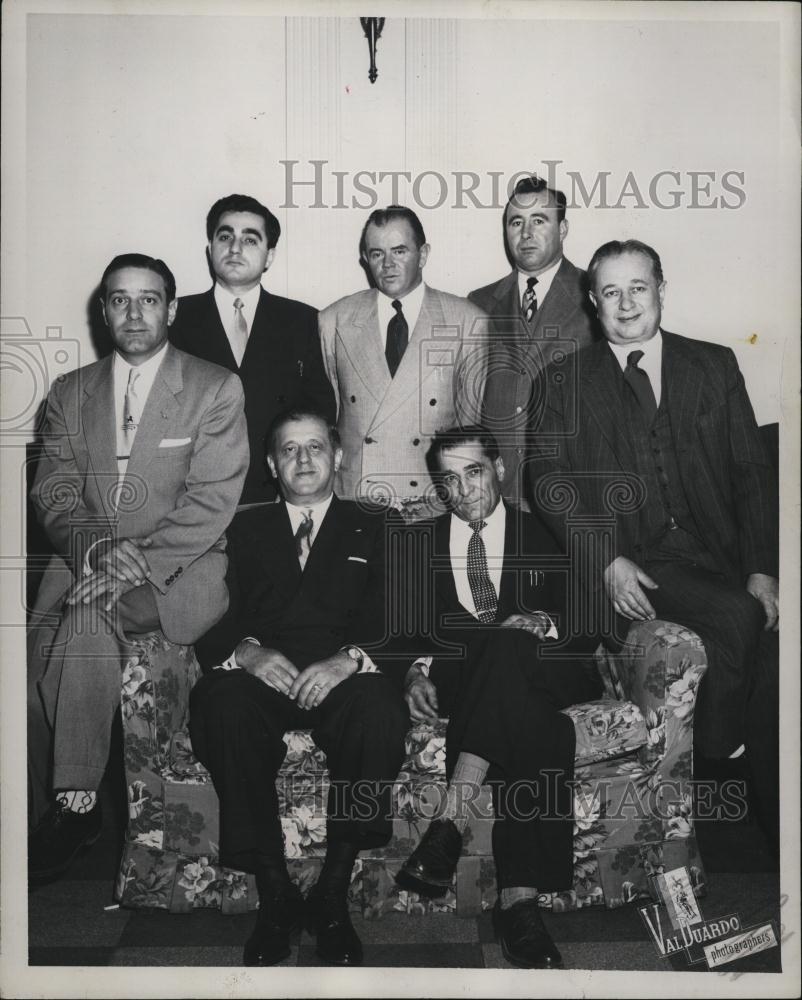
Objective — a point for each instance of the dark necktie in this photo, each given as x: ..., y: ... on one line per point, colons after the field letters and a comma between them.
x: 529, y: 301
x: 303, y: 538
x: 639, y: 382
x: 484, y: 596
x: 397, y: 338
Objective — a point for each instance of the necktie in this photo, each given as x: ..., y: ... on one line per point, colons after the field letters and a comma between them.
x: 529, y: 301
x: 397, y: 338
x: 131, y: 412
x: 639, y: 382
x: 484, y: 596
x: 303, y: 538
x: 239, y: 334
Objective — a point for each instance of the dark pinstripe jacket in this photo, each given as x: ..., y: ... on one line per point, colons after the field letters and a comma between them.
x: 726, y: 473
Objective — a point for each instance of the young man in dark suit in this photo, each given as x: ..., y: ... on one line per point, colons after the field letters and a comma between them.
x: 270, y: 342
x: 538, y: 312
x: 695, y: 536
x: 499, y: 662
x: 308, y: 592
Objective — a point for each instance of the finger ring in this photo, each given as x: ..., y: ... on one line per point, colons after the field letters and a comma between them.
x: 315, y: 687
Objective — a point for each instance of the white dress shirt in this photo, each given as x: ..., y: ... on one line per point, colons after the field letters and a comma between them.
x: 543, y: 285
x: 225, y: 307
x: 651, y: 362
x: 147, y: 373
x: 411, y: 304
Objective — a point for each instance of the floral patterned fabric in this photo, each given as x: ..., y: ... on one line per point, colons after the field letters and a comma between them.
x: 632, y: 795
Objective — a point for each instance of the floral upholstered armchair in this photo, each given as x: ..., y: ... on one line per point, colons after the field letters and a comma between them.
x: 632, y: 799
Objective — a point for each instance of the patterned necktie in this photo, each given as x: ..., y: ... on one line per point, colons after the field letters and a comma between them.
x: 239, y: 333
x: 529, y: 301
x: 303, y: 537
x: 131, y: 412
x: 397, y: 338
x: 484, y: 595
x: 640, y: 383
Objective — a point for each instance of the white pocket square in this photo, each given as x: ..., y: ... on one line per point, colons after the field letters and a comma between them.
x: 356, y: 559
x: 173, y: 442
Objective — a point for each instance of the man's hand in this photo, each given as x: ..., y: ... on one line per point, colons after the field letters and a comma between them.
x: 269, y: 665
x: 98, y: 586
x: 624, y: 582
x: 766, y: 589
x: 313, y: 684
x: 536, y: 622
x: 124, y: 560
x: 420, y: 695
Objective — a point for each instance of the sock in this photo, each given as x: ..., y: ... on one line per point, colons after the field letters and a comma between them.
x: 509, y: 897
x: 335, y: 875
x: 469, y: 774
x: 80, y: 801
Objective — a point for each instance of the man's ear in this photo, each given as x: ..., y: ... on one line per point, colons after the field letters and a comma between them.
x: 592, y: 298
x: 424, y: 255
x: 338, y: 458
x: 563, y: 229
x: 172, y: 309
x: 661, y: 291
x: 271, y: 253
x: 272, y: 466
x: 498, y: 465
x: 103, y: 311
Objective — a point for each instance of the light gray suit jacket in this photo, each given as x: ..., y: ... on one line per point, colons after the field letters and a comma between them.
x: 181, y: 488
x: 386, y: 423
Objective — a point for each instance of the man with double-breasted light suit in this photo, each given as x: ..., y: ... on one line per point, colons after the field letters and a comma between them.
x: 405, y: 361
x: 145, y: 453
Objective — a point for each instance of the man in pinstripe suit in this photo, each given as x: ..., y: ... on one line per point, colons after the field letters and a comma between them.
x: 699, y: 546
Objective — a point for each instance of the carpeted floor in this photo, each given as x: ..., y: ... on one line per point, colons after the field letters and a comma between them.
x: 71, y: 922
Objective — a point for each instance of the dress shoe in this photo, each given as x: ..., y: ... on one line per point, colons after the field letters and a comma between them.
x: 328, y: 919
x: 280, y: 915
x: 59, y: 839
x: 524, y: 938
x: 430, y: 868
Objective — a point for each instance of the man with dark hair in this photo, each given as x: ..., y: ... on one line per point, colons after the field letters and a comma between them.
x: 698, y: 544
x: 499, y: 663
x: 144, y: 457
x: 269, y: 341
x: 405, y: 360
x: 299, y: 648
x: 539, y: 312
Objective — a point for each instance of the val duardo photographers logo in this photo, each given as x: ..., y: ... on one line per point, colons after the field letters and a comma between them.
x: 29, y: 366
x: 676, y: 925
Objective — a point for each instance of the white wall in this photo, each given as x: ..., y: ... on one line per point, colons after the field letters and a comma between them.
x: 135, y: 124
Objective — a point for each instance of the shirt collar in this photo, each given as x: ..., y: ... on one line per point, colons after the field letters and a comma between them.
x: 544, y: 281
x: 319, y: 510
x: 147, y: 370
x: 411, y: 304
x: 495, y: 525
x: 652, y: 353
x: 225, y: 299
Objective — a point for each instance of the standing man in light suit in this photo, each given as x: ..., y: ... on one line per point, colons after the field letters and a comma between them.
x: 538, y: 312
x: 405, y: 361
x: 271, y: 342
x: 145, y: 455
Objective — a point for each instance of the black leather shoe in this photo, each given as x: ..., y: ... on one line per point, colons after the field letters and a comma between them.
x: 430, y: 868
x: 59, y: 839
x: 281, y: 913
x: 327, y: 917
x: 524, y: 938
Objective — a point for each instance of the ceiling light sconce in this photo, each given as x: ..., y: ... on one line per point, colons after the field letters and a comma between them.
x: 372, y: 27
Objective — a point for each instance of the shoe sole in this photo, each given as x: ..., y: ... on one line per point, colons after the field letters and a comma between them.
x: 52, y: 874
x: 412, y: 883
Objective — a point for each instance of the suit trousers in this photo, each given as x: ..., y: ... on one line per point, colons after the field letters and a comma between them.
x: 237, y: 723
x: 75, y: 659
x: 504, y: 705
x: 729, y: 621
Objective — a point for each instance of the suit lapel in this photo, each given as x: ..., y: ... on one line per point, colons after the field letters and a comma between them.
x: 361, y: 344
x: 557, y: 305
x: 160, y: 410
x: 99, y: 418
x: 282, y: 562
x: 331, y: 534
x: 507, y: 591
x: 215, y: 334
x: 260, y: 332
x: 599, y: 392
x: 444, y: 574
x: 683, y: 382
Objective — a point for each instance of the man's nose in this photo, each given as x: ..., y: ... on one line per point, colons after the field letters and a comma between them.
x: 235, y: 246
x: 626, y: 300
x: 134, y: 309
x: 303, y: 456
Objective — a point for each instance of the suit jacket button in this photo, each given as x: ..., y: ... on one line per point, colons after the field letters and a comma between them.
x: 413, y: 482
x: 369, y: 440
x: 416, y: 441
x: 432, y: 402
x: 353, y: 399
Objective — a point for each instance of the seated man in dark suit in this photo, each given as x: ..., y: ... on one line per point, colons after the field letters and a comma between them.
x: 269, y: 341
x: 307, y: 581
x: 500, y: 603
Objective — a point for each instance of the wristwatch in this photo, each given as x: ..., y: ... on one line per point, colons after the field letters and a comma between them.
x: 356, y: 655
